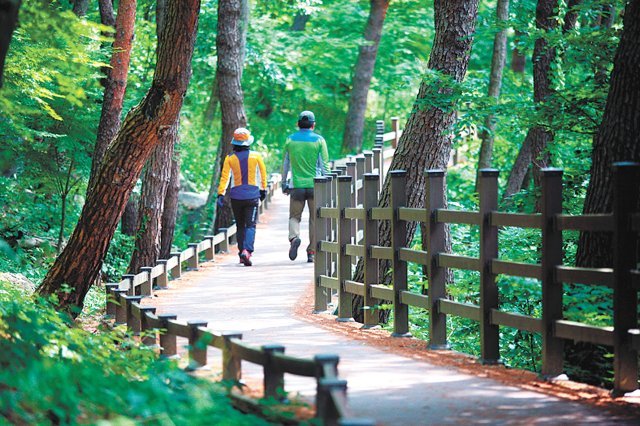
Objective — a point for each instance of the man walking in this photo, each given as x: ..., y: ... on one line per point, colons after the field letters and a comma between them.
x: 305, y: 155
x: 245, y: 171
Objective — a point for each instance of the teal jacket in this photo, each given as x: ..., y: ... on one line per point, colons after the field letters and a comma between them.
x: 305, y: 155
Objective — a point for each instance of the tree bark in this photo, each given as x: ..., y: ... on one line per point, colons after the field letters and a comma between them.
x: 79, y: 264
x: 80, y: 8
x: 8, y: 19
x: 229, y: 44
x: 518, y: 60
x: 170, y: 211
x: 115, y: 83
x: 495, y: 84
x: 617, y: 138
x: 129, y: 220
x: 427, y: 138
x: 354, y: 126
x: 539, y: 136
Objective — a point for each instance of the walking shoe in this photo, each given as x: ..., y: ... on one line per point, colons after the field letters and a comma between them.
x: 245, y: 256
x: 293, y: 250
x: 310, y: 256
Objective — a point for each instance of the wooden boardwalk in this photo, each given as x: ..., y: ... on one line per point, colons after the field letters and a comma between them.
x: 260, y: 301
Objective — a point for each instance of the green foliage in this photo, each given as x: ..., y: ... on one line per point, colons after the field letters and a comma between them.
x: 55, y: 373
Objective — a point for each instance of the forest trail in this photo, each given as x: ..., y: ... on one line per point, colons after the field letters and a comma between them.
x: 393, y: 389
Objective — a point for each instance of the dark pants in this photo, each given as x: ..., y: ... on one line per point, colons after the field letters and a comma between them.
x: 246, y: 214
x: 298, y: 197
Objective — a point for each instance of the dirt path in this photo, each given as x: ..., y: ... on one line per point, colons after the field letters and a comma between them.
x: 394, y: 381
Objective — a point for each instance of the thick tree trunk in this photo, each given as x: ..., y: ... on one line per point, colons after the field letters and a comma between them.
x: 8, y: 19
x: 129, y: 219
x: 495, y: 83
x: 154, y: 187
x: 427, y: 138
x: 354, y: 126
x: 538, y: 136
x: 229, y: 43
x: 80, y: 7
x: 618, y: 138
x: 170, y: 211
x: 79, y: 264
x: 115, y: 84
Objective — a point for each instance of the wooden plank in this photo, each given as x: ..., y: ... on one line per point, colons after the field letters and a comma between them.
x: 247, y: 352
x: 412, y: 214
x: 389, y: 136
x: 359, y: 184
x: 153, y: 321
x: 516, y: 269
x: 591, y: 222
x: 381, y: 213
x: 415, y: 256
x: 218, y: 238
x: 587, y: 276
x: 157, y: 271
x: 329, y: 246
x: 355, y: 213
x: 232, y: 230
x: 293, y: 365
x: 140, y: 278
x: 378, y: 252
x: 178, y: 329
x: 414, y: 299
x: 329, y: 282
x: 521, y: 322
x: 381, y: 292
x: 172, y: 262
x: 465, y: 310
x: 135, y: 310
x: 518, y: 220
x: 186, y: 254
x: 214, y: 339
x: 446, y: 260
x: 579, y: 332
x: 354, y: 250
x: 354, y: 287
x: 458, y: 216
x: 329, y: 213
x: 204, y: 244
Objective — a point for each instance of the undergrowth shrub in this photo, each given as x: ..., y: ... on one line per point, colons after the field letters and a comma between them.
x: 52, y: 372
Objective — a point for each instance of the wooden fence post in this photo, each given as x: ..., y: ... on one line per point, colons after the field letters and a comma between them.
x: 325, y: 410
x: 149, y: 337
x: 224, y: 245
x: 193, y: 262
x: 132, y: 322
x: 395, y: 128
x: 379, y: 128
x: 399, y: 241
x: 209, y: 254
x: 435, y: 245
x: 110, y: 301
x: 551, y: 202
x: 344, y: 260
x: 321, y: 187
x: 176, y: 272
x: 129, y: 278
x: 231, y: 364
x: 273, y: 382
x: 121, y: 306
x: 147, y: 286
x: 351, y: 171
x: 370, y: 238
x: 626, y: 178
x: 197, y: 354
x: 378, y: 165
x: 368, y: 161
x: 163, y: 279
x: 168, y: 344
x: 489, y: 333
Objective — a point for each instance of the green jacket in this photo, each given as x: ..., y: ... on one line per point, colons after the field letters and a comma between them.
x: 305, y: 155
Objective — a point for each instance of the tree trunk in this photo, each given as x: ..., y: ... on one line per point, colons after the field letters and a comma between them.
x: 495, y: 84
x: 300, y: 21
x: 170, y: 211
x: 129, y: 220
x: 8, y: 19
x: 571, y: 16
x: 617, y: 138
x: 80, y: 8
x: 427, y: 138
x: 115, y: 84
x: 79, y: 264
x: 518, y: 60
x: 229, y: 44
x: 538, y: 136
x: 354, y: 126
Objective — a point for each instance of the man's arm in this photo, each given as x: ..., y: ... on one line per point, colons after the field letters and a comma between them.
x: 324, y: 157
x: 286, y: 166
x: 263, y: 173
x: 224, y: 177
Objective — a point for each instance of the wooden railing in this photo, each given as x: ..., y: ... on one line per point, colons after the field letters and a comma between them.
x: 162, y: 330
x: 342, y: 201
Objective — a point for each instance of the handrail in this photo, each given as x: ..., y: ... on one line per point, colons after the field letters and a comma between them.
x: 338, y: 234
x: 123, y: 304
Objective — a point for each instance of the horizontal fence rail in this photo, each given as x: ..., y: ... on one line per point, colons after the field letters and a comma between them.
x: 162, y: 330
x: 347, y: 220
